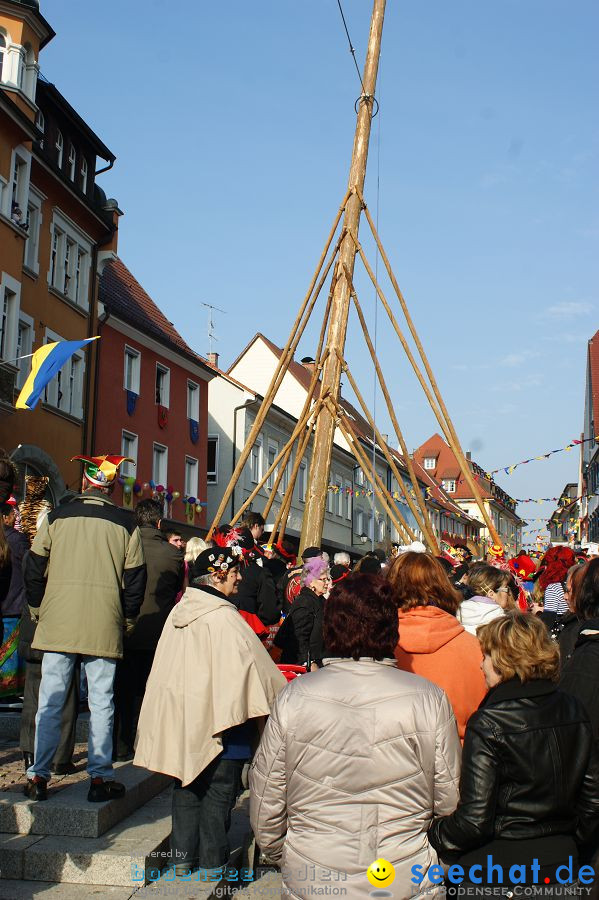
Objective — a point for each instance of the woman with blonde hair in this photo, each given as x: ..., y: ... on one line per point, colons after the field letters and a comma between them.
x: 491, y: 596
x: 529, y: 788
x: 432, y: 643
x: 193, y: 548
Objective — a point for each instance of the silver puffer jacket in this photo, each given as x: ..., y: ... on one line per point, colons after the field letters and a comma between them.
x: 354, y: 762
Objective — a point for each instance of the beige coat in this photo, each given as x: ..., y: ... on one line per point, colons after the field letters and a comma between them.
x: 354, y: 762
x: 210, y: 673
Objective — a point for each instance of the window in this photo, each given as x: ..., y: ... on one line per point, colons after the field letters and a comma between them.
x: 212, y: 467
x: 301, y: 482
x: 65, y: 391
x: 160, y: 465
x: 256, y: 462
x: 40, y: 124
x: 273, y: 452
x: 348, y: 500
x: 448, y: 485
x: 359, y: 476
x: 10, y: 291
x: 84, y: 175
x: 359, y: 528
x: 330, y: 499
x: 132, y: 368
x: 70, y: 258
x: 59, y: 149
x: 430, y: 462
x: 284, y: 482
x: 370, y: 530
x: 382, y: 530
x: 163, y: 378
x: 34, y: 220
x: 2, y: 53
x: 128, y: 448
x: 21, y: 163
x: 339, y: 484
x: 24, y: 347
x: 191, y: 477
x: 193, y: 401
x: 72, y: 162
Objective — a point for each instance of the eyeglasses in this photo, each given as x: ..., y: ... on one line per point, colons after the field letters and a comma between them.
x: 504, y: 588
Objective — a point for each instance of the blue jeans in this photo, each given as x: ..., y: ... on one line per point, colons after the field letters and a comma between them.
x: 57, y: 672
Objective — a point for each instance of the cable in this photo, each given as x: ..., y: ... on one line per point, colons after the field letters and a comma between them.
x: 351, y: 47
x: 376, y: 308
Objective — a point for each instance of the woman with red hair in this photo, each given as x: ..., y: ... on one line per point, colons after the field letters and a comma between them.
x: 552, y: 576
x: 432, y: 642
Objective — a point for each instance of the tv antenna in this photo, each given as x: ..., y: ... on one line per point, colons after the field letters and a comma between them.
x: 211, y: 335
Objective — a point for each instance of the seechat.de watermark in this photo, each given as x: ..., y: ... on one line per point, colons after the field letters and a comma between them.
x: 518, y: 875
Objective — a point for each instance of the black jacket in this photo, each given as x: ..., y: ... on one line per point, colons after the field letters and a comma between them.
x: 257, y: 594
x: 300, y: 636
x: 13, y: 602
x: 529, y: 770
x: 164, y: 564
x: 580, y: 672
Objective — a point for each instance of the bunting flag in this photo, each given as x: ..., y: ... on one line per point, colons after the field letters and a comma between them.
x: 45, y: 364
x: 509, y: 469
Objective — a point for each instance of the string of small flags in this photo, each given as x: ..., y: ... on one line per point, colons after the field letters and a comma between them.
x: 509, y: 469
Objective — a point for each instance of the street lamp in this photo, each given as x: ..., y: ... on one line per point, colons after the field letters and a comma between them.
x: 362, y: 539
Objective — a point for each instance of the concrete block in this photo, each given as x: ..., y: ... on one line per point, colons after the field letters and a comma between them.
x: 132, y: 846
x: 12, y: 853
x: 68, y: 812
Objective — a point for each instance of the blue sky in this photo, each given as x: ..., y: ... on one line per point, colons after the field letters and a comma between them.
x: 233, y: 124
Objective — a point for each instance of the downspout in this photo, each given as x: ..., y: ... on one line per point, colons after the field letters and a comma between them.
x: 106, y: 168
x: 102, y: 320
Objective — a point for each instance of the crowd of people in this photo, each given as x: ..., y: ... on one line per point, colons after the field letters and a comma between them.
x: 440, y: 714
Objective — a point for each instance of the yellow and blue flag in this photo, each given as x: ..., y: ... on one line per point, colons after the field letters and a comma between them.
x: 45, y: 364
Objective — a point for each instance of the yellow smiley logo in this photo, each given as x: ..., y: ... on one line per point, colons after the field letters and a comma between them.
x: 380, y: 873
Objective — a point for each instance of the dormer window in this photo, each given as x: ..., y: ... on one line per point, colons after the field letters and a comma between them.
x: 72, y: 162
x: 59, y: 149
x: 84, y: 175
x: 430, y: 462
x: 448, y: 485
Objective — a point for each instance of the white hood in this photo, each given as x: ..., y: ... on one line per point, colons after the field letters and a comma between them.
x: 477, y: 611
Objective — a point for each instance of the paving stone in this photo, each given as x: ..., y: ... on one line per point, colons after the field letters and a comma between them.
x: 132, y: 846
x: 33, y: 890
x: 68, y: 812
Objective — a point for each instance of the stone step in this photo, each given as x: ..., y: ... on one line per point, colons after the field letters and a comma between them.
x: 124, y: 855
x: 68, y: 812
x: 10, y: 726
x: 33, y: 890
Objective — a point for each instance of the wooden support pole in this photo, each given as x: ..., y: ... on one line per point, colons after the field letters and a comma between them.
x: 325, y: 428
x: 280, y: 524
x: 422, y: 521
x: 422, y: 518
x: 386, y: 500
x: 296, y: 431
x: 287, y: 354
x: 453, y: 439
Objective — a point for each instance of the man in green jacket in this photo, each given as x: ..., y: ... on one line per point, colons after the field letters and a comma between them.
x: 85, y: 579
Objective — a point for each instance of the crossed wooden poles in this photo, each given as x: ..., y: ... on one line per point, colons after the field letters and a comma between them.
x: 315, y: 402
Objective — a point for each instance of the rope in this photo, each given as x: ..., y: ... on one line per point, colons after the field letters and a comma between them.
x: 351, y: 47
x: 376, y: 309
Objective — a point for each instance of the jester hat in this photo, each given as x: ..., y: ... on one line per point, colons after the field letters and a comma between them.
x: 102, y: 470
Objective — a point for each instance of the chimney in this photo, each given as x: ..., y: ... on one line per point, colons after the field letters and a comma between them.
x: 308, y: 363
x: 385, y: 438
x: 212, y: 359
x: 468, y: 456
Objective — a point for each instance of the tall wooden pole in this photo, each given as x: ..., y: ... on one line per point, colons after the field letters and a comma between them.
x: 325, y: 429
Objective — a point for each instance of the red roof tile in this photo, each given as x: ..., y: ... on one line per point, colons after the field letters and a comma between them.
x: 123, y: 295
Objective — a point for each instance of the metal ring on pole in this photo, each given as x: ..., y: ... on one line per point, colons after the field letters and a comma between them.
x: 364, y: 98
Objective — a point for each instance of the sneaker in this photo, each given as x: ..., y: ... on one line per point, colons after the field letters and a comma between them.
x: 100, y: 790
x: 36, y: 788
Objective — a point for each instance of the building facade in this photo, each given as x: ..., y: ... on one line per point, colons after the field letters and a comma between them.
x: 438, y: 459
x: 564, y: 524
x: 151, y: 401
x: 589, y: 477
x: 56, y: 230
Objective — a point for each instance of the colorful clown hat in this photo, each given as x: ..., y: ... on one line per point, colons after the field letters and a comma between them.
x: 102, y: 470
x: 496, y: 550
